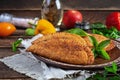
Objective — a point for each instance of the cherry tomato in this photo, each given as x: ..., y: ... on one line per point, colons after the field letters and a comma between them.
x: 6, y: 29
x: 71, y: 17
x: 113, y: 20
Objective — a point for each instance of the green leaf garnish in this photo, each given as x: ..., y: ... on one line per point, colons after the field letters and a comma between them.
x: 97, y: 25
x: 103, y: 54
x: 98, y: 49
x: 94, y: 41
x: 103, y: 44
x: 112, y: 69
x: 111, y: 33
x: 104, y: 75
x: 114, y: 78
x: 95, y: 52
x: 97, y: 76
x: 77, y: 31
x: 16, y: 44
x: 95, y: 31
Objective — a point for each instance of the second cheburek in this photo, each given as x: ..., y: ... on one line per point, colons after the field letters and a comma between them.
x: 63, y: 47
x: 99, y: 39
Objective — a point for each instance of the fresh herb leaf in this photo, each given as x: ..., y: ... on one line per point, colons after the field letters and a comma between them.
x: 103, y: 54
x: 14, y: 47
x: 97, y: 76
x: 114, y: 29
x: 105, y: 74
x: 112, y: 69
x: 118, y: 32
x: 112, y: 33
x: 114, y: 78
x: 77, y: 31
x: 98, y: 49
x: 16, y: 44
x: 97, y: 25
x: 94, y: 41
x: 95, y: 52
x: 95, y: 31
x: 103, y: 44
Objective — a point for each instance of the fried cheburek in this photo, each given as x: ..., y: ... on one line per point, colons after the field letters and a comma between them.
x: 99, y: 39
x: 63, y: 47
x: 67, y: 47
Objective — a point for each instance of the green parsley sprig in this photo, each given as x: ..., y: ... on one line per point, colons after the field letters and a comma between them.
x: 98, y: 49
x: 105, y: 74
x: 16, y: 44
x: 77, y: 31
x: 100, y: 28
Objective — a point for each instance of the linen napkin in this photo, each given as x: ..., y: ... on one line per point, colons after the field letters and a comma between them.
x: 27, y: 64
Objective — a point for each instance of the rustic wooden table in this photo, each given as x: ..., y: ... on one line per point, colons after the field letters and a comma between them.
x: 93, y: 11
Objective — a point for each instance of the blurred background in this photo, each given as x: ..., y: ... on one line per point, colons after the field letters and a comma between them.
x: 92, y: 10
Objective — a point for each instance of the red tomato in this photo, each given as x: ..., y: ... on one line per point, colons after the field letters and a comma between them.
x: 70, y: 17
x: 113, y: 19
x: 6, y: 29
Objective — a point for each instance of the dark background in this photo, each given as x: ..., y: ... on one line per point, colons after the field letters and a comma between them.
x: 68, y: 4
x: 92, y: 10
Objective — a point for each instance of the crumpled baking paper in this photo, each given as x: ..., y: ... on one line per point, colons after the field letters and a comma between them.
x: 27, y: 64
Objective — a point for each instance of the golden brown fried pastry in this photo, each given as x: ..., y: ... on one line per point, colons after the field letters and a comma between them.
x: 100, y: 38
x: 63, y: 47
x: 62, y: 35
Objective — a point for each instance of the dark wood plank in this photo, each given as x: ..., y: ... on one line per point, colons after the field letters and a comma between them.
x: 4, y: 52
x: 20, y: 4
x: 69, y: 4
x: 91, y: 4
x: 6, y: 42
x: 95, y: 16
x: 23, y: 13
x: 88, y: 15
x: 6, y: 72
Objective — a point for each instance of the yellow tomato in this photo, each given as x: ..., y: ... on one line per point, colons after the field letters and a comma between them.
x: 44, y: 27
x: 6, y: 29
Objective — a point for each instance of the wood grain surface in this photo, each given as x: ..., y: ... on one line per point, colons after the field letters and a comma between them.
x: 5, y: 50
x: 88, y: 15
x: 69, y: 4
x: 92, y: 10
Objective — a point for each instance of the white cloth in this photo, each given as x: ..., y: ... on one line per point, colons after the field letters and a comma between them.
x: 25, y: 63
